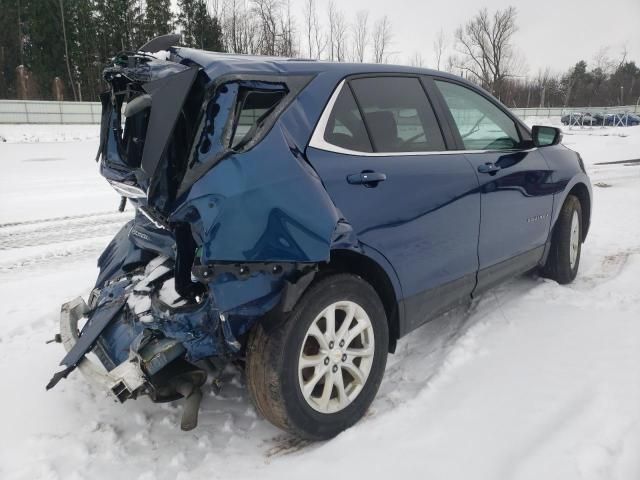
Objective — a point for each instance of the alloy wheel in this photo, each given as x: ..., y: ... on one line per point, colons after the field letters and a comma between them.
x: 336, y: 357
x: 574, y: 243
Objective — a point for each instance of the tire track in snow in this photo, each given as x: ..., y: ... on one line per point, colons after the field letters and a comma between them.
x: 55, y: 219
x: 608, y: 268
x: 57, y: 230
x: 51, y: 257
x: 56, y: 240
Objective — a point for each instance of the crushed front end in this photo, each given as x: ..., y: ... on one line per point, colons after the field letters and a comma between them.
x: 231, y: 224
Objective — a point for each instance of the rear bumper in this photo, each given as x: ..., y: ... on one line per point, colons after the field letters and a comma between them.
x: 132, y: 377
x: 123, y: 381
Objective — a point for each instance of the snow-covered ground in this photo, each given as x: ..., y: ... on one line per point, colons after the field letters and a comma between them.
x: 533, y: 381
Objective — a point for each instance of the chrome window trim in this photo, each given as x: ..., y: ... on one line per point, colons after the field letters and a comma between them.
x: 318, y: 141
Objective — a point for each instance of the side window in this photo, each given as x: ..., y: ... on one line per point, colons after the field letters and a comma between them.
x: 237, y: 117
x: 345, y: 127
x: 397, y: 114
x: 253, y: 106
x: 481, y: 124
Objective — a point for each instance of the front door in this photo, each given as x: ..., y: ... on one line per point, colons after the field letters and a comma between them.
x: 516, y: 204
x: 381, y: 155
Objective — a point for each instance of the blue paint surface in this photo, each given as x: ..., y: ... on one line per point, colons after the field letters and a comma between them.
x: 433, y: 222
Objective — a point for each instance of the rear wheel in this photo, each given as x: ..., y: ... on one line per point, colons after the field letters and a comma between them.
x: 317, y: 373
x: 566, y: 243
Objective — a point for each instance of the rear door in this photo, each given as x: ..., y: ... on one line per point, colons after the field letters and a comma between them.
x: 382, y: 157
x: 514, y: 180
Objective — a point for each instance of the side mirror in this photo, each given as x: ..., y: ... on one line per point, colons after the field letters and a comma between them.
x: 545, y: 136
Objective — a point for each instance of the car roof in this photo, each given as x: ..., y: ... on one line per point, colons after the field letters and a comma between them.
x: 217, y: 64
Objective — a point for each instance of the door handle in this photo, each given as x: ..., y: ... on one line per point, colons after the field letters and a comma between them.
x: 489, y: 168
x: 368, y: 179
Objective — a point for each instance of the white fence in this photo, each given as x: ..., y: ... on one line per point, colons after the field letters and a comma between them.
x: 23, y: 111
x: 28, y: 111
x: 560, y: 111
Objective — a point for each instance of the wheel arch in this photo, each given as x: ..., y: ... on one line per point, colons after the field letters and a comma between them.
x: 581, y: 192
x: 376, y: 275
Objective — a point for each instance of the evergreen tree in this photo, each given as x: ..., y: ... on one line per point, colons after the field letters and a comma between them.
x: 200, y: 29
x: 624, y: 87
x: 119, y: 26
x: 83, y: 47
x: 44, y: 48
x: 10, y: 47
x: 158, y: 19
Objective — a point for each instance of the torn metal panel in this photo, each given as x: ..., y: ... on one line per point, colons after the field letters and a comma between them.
x: 113, y: 165
x: 266, y: 207
x: 225, y: 102
x: 163, y: 42
x: 135, y: 244
x: 100, y: 318
x: 167, y: 97
x: 232, y: 227
x: 147, y: 236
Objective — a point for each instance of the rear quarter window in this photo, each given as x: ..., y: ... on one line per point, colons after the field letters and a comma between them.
x: 235, y: 119
x: 253, y: 107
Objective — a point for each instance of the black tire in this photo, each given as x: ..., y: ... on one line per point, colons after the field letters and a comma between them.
x: 558, y: 266
x: 273, y: 356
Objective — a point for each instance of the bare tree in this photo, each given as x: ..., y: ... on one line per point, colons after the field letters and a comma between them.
x: 360, y: 35
x: 266, y: 11
x: 331, y: 11
x: 340, y: 32
x: 230, y: 25
x: 623, y: 56
x: 309, y: 8
x: 287, y: 28
x: 602, y: 61
x: 273, y: 28
x: 450, y: 66
x: 540, y: 84
x: 484, y: 44
x: 439, y: 45
x: 381, y: 40
x: 239, y: 27
x: 416, y: 60
x: 316, y: 40
x: 319, y: 37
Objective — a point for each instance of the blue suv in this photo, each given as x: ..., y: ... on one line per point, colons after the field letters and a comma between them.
x: 296, y: 218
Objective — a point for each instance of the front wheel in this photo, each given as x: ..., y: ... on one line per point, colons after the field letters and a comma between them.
x: 566, y: 243
x: 317, y: 373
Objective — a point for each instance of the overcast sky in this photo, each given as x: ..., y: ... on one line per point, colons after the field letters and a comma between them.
x: 552, y: 33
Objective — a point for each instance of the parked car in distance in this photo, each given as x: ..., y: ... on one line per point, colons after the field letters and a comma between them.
x: 574, y: 118
x: 298, y: 217
x: 621, y: 120
x: 581, y: 119
x: 607, y: 119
